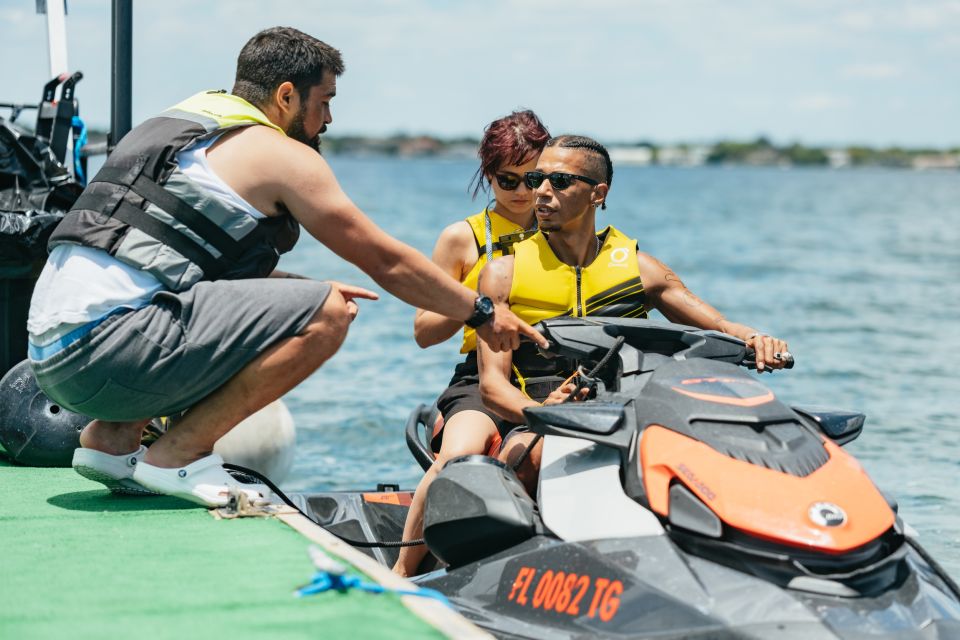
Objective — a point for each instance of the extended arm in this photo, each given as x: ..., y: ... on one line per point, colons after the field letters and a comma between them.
x: 275, y: 174
x: 455, y: 253
x: 667, y: 293
x: 311, y: 192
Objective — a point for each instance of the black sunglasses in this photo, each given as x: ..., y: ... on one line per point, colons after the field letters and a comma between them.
x: 558, y: 181
x: 508, y: 181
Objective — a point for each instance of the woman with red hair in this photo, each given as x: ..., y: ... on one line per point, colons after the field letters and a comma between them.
x: 509, y: 148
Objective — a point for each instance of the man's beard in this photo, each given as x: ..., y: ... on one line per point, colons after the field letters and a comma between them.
x: 299, y: 133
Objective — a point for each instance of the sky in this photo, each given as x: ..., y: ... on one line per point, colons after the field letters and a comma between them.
x: 821, y: 72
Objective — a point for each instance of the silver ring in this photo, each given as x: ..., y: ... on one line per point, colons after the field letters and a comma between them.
x: 778, y: 356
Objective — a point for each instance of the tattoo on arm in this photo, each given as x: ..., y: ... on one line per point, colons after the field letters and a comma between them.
x: 673, y: 280
x: 690, y: 299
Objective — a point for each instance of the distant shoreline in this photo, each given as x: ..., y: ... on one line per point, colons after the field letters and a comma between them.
x: 760, y: 152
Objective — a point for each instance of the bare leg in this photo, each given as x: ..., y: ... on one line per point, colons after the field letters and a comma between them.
x: 115, y: 438
x: 270, y: 375
x: 529, y: 471
x: 468, y: 432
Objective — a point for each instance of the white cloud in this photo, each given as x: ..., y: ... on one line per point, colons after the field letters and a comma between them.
x: 874, y: 71
x: 931, y: 17
x: 928, y: 16
x: 858, y: 20
x: 821, y: 102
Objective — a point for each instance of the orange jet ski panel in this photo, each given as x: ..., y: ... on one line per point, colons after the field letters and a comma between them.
x: 765, y: 503
x: 736, y: 391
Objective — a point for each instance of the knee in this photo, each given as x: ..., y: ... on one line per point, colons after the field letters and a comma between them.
x: 332, y: 320
x: 451, y: 453
x: 513, y: 448
x: 528, y: 471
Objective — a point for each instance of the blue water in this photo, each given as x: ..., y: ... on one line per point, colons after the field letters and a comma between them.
x: 859, y: 270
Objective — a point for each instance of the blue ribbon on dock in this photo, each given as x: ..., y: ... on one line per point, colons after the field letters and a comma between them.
x: 332, y: 575
x: 325, y: 581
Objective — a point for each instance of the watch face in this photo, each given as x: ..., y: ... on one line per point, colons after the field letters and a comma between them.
x: 485, y: 305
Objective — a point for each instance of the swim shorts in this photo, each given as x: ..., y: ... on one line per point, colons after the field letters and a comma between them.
x: 463, y: 394
x: 163, y: 358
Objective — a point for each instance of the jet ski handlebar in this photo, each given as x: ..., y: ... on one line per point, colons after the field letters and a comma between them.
x: 586, y: 340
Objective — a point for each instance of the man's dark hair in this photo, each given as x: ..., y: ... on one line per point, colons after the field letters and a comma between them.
x: 282, y: 54
x: 599, y: 166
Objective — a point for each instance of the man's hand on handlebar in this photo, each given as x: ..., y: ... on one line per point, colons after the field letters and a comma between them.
x: 504, y: 330
x: 770, y: 352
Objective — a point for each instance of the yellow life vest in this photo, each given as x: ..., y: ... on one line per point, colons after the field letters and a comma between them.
x: 544, y: 287
x: 499, y: 226
x: 226, y: 109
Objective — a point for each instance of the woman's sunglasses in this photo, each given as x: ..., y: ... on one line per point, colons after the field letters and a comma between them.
x: 558, y: 181
x: 508, y: 181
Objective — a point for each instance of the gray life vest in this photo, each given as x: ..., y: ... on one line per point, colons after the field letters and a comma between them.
x: 141, y: 209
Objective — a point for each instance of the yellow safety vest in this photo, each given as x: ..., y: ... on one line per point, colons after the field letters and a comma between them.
x: 544, y: 287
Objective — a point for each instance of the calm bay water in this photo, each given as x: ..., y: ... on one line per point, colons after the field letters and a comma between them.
x: 858, y: 270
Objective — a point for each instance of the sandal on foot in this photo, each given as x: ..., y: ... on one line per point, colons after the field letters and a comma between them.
x: 116, y: 472
x: 204, y: 482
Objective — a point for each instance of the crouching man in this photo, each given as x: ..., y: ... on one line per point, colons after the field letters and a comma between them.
x: 156, y: 296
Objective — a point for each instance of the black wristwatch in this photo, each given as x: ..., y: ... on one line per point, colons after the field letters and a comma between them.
x: 482, y: 312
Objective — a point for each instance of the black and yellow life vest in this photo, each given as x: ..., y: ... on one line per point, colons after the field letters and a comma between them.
x: 499, y: 227
x: 544, y: 287
x: 141, y: 209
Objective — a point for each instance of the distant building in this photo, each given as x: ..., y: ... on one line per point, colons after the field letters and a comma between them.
x: 462, y: 150
x: 936, y: 161
x: 683, y: 155
x: 764, y: 157
x: 420, y: 146
x: 838, y: 158
x: 641, y: 156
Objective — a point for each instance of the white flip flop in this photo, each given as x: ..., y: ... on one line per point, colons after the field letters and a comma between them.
x: 204, y: 482
x: 116, y: 472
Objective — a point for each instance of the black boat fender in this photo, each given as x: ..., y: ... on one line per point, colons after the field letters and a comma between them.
x: 34, y: 430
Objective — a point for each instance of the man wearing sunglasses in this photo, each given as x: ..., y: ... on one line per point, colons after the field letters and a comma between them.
x: 568, y: 269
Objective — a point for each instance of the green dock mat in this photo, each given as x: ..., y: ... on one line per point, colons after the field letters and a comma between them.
x: 79, y: 562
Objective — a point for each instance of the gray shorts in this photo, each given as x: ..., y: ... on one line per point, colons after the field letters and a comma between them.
x: 163, y: 358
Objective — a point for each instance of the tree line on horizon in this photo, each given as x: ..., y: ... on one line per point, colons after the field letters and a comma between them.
x: 758, y: 152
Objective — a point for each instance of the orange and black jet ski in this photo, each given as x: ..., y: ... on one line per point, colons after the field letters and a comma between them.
x: 683, y: 500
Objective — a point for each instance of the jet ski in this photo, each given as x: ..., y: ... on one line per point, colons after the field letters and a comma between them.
x: 684, y: 499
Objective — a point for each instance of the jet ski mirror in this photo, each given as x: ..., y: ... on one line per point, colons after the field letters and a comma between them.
x: 840, y: 426
x: 576, y: 420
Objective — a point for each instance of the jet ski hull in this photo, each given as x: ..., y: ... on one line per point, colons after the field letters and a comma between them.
x: 641, y: 587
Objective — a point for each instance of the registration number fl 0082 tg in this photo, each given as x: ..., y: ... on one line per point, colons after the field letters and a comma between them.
x: 568, y: 593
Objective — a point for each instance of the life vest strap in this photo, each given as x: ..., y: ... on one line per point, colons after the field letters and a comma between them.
x: 182, y: 212
x: 185, y: 246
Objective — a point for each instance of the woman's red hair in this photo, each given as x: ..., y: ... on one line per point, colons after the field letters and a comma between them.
x: 511, y: 140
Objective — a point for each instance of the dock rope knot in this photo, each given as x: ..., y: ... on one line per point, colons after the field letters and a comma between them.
x: 332, y: 575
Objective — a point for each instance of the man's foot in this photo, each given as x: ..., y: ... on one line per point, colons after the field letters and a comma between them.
x: 113, y: 471
x: 113, y: 438
x: 204, y: 482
